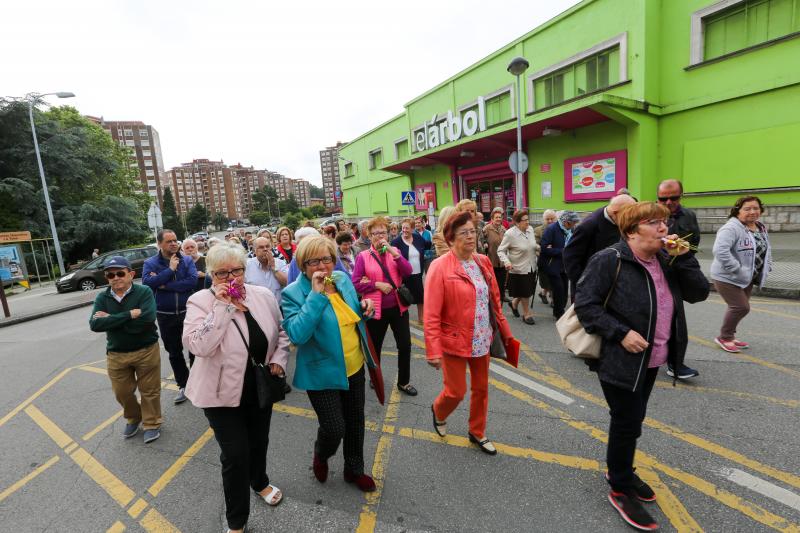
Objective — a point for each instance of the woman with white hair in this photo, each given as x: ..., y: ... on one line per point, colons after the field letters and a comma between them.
x: 548, y: 217
x: 294, y: 270
x: 235, y: 331
x: 190, y: 247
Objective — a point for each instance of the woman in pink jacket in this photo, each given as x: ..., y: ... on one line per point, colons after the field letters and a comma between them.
x: 227, y: 328
x: 461, y: 295
x: 378, y: 272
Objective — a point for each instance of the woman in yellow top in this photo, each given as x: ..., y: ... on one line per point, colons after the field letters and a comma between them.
x: 325, y: 320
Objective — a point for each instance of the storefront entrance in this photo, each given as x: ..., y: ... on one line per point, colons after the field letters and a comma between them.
x: 490, y: 186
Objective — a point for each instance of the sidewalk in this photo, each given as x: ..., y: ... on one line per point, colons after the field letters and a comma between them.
x: 45, y: 301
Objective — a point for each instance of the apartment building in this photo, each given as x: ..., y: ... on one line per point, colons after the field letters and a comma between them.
x: 206, y: 182
x: 329, y: 166
x: 143, y: 139
x: 301, y: 190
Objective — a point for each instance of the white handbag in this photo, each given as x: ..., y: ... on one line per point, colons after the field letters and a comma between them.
x: 574, y: 337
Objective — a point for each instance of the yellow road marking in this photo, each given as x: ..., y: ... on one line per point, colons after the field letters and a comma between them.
x: 118, y: 527
x: 750, y: 358
x: 757, y: 513
x: 137, y: 508
x: 21, y: 483
x: 368, y: 517
x: 178, y: 465
x: 94, y: 370
x: 156, y: 522
x: 35, y: 395
x: 670, y: 505
x: 70, y: 448
x: 119, y: 491
x: 53, y: 431
x: 738, y: 394
x: 689, y: 438
x: 299, y: 411
x: 103, y: 425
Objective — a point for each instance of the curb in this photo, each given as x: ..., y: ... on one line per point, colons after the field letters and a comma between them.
x: 42, y: 314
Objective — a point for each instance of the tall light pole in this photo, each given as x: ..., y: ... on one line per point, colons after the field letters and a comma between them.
x: 517, y: 67
x: 32, y: 99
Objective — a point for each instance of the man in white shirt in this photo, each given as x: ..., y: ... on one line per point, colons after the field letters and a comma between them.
x: 265, y: 269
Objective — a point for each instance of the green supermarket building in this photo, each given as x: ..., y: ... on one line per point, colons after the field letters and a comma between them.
x: 618, y: 93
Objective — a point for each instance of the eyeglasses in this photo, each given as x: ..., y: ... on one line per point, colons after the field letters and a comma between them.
x: 654, y: 222
x: 466, y: 232
x: 524, y: 219
x: 116, y: 274
x: 379, y: 234
x: 223, y: 274
x: 327, y: 260
x: 675, y: 198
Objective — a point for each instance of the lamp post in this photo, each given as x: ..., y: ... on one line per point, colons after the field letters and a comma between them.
x: 32, y: 98
x: 517, y: 67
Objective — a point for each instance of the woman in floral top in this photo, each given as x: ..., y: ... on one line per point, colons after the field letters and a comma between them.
x: 458, y: 336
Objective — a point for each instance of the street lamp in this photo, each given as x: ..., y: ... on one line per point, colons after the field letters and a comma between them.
x: 516, y: 68
x: 33, y: 98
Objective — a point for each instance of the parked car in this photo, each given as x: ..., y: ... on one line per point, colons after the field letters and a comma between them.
x: 90, y: 275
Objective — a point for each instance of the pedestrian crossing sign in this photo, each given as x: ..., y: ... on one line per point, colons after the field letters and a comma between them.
x: 408, y: 197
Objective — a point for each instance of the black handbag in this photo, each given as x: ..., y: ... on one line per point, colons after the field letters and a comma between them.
x: 403, y: 292
x: 270, y: 389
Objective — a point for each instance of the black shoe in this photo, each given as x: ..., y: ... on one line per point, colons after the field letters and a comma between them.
x: 642, y: 489
x: 631, y: 510
x: 513, y: 309
x: 543, y: 297
x: 529, y: 320
x: 287, y: 388
x: 408, y: 389
x: 484, y: 444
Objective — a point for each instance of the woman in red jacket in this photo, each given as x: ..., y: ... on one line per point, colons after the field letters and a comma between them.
x: 460, y: 335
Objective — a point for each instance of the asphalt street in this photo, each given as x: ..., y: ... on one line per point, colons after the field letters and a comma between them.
x: 722, y: 451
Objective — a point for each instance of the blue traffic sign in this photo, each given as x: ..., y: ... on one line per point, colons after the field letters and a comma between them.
x: 408, y: 197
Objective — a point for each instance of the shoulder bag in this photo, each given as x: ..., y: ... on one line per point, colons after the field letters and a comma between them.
x: 270, y: 389
x: 403, y: 292
x: 574, y: 337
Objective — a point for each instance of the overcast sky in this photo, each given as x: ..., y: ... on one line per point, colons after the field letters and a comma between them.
x: 264, y: 83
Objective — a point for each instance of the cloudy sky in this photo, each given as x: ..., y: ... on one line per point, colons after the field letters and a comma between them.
x: 266, y: 83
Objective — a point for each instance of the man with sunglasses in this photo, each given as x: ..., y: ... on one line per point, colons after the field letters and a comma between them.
x: 127, y: 314
x: 172, y: 278
x: 682, y: 221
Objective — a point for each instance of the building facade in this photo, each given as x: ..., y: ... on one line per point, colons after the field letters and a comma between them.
x: 329, y: 166
x: 619, y: 93
x: 302, y: 191
x: 143, y: 139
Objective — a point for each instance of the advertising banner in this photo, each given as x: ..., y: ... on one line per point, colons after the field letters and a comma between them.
x: 595, y: 177
x: 12, y: 265
x: 426, y: 196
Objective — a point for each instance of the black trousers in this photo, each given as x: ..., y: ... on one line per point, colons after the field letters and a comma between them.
x: 500, y: 276
x: 170, y: 327
x: 341, y: 416
x: 243, y: 437
x: 628, y: 409
x: 559, y: 285
x: 402, y: 337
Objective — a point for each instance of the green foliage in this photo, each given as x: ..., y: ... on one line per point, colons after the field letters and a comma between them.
x: 169, y: 215
x: 84, y: 169
x: 318, y: 211
x: 306, y: 212
x: 259, y: 218
x: 316, y: 192
x: 220, y: 221
x: 292, y: 221
x: 266, y: 200
x: 197, y: 218
x: 289, y: 205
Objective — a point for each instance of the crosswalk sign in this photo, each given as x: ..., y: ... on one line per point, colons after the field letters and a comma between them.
x: 408, y: 197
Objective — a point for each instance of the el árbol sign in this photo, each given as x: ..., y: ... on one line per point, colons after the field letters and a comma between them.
x: 442, y: 129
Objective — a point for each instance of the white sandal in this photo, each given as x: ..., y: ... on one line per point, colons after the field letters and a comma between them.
x: 270, y: 497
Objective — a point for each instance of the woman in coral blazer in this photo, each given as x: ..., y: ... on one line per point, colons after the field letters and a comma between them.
x: 457, y: 336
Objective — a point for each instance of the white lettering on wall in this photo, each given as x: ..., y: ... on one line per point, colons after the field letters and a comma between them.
x: 450, y: 127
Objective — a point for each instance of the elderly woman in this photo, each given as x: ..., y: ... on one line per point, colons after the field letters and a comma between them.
x: 742, y: 259
x: 517, y: 253
x: 344, y: 251
x: 284, y: 244
x: 493, y: 233
x: 458, y: 336
x: 469, y: 206
x: 232, y: 329
x: 394, y: 231
x: 631, y: 295
x: 554, y: 239
x: 548, y: 217
x: 325, y: 320
x: 439, y: 242
x: 379, y: 271
x: 413, y: 247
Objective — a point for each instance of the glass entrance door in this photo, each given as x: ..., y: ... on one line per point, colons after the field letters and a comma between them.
x: 491, y: 193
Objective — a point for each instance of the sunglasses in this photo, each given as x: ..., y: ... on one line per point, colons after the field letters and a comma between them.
x: 673, y: 198
x: 116, y: 274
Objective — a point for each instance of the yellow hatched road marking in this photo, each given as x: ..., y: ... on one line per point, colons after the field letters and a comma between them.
x: 118, y: 527
x: 103, y: 425
x: 119, y: 491
x: 750, y: 358
x: 689, y: 438
x: 35, y: 395
x: 53, y: 431
x: 137, y: 508
x: 156, y: 522
x: 22, y: 482
x: 757, y: 513
x: 178, y: 465
x: 670, y: 505
x: 738, y: 394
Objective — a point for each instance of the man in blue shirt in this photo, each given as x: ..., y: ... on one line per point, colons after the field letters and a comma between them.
x: 172, y: 278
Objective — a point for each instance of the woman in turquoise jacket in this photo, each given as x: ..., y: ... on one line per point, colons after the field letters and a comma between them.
x: 325, y: 320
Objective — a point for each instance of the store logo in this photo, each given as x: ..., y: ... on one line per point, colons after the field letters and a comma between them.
x: 451, y: 127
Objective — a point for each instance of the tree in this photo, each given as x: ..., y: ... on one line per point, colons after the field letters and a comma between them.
x: 266, y: 200
x: 197, y: 218
x: 318, y: 211
x: 316, y: 192
x: 292, y: 221
x: 220, y: 221
x: 259, y: 218
x: 169, y: 215
x: 289, y: 205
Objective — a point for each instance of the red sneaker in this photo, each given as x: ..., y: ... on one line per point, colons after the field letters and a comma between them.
x: 364, y: 482
x: 728, y: 346
x: 741, y: 344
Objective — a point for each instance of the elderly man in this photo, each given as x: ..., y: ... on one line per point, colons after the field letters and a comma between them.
x: 127, y: 314
x: 265, y: 269
x: 554, y: 239
x: 682, y: 221
x: 363, y: 242
x: 172, y: 278
x: 596, y: 232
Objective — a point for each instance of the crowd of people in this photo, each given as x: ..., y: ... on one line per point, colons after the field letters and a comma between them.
x: 328, y: 295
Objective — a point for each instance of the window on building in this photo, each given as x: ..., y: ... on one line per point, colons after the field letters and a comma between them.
x: 128, y: 133
x: 145, y: 142
x: 150, y: 172
x: 143, y: 132
x: 375, y: 159
x: 401, y: 149
x: 146, y: 153
x: 498, y: 109
x: 749, y: 23
x: 590, y: 74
